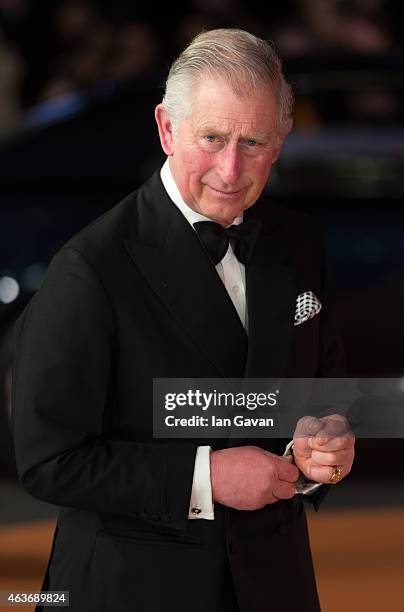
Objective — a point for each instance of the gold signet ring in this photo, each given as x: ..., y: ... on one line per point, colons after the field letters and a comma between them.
x: 336, y: 476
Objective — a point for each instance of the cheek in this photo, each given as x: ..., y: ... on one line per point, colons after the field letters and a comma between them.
x: 198, y: 166
x: 199, y: 161
x: 259, y: 172
x: 194, y: 183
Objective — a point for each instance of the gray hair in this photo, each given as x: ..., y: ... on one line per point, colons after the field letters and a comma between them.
x: 242, y: 59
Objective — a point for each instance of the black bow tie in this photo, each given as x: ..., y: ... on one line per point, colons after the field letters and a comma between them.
x: 215, y: 239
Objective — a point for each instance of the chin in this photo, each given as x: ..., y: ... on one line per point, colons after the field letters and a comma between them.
x: 224, y: 211
x: 222, y: 216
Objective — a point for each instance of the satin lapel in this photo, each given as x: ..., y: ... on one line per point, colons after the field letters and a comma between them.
x: 271, y: 298
x: 167, y: 252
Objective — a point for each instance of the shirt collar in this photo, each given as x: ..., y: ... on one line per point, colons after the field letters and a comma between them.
x: 174, y: 194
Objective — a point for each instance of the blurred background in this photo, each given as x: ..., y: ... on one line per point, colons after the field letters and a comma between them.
x: 79, y: 80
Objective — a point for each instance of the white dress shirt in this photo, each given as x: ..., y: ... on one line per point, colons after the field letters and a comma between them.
x: 230, y: 270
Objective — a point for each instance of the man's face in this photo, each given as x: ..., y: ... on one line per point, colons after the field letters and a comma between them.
x: 222, y: 154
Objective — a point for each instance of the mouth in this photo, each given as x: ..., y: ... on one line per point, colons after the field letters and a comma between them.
x: 226, y: 194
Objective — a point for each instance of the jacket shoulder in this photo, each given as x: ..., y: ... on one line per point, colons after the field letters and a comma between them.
x: 278, y: 219
x: 110, y: 226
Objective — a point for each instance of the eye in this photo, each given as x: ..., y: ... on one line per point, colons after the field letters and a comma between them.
x: 251, y: 142
x: 211, y: 142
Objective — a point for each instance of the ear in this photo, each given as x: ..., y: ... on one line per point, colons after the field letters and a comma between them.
x: 277, y: 149
x: 165, y: 129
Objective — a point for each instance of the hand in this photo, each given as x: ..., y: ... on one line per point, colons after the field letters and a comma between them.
x: 320, y: 445
x: 249, y: 478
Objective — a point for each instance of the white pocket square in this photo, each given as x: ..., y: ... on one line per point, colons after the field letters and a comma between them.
x: 307, y: 307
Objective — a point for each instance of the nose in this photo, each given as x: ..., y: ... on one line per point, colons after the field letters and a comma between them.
x: 229, y: 166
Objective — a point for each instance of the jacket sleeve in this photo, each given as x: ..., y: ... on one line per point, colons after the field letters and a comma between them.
x: 332, y: 361
x: 64, y: 352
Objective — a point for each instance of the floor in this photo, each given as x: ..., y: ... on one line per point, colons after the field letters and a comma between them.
x: 358, y: 548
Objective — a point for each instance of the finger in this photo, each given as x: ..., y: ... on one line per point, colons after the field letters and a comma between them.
x: 283, y: 490
x: 308, y: 426
x: 332, y: 444
x: 334, y: 425
x: 301, y: 446
x: 323, y: 474
x: 338, y: 458
x: 286, y: 471
x: 288, y: 458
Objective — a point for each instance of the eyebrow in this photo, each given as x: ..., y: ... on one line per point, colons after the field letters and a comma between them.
x: 215, y: 132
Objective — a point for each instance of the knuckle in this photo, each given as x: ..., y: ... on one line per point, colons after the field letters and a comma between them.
x: 337, y: 417
x: 306, y: 425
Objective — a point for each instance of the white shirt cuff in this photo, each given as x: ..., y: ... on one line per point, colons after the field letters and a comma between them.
x: 201, y: 505
x: 303, y: 486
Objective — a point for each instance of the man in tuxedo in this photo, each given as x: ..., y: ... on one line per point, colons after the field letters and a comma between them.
x: 154, y: 289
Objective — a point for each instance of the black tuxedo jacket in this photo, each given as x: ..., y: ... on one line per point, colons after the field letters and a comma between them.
x: 132, y: 297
